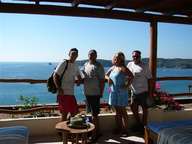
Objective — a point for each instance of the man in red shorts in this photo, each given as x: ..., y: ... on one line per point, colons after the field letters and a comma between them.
x: 65, y: 94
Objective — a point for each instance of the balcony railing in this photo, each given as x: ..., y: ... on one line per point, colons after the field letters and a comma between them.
x: 54, y: 107
x: 176, y: 79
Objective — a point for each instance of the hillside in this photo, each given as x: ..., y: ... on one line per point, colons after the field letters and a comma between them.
x: 161, y: 63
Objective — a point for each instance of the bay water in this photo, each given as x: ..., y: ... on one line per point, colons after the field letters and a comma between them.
x: 10, y: 92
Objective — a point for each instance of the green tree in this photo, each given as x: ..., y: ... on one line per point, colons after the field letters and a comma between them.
x: 28, y: 101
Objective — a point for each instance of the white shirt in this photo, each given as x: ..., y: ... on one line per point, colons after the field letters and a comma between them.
x: 69, y: 76
x: 92, y: 74
x: 141, y: 75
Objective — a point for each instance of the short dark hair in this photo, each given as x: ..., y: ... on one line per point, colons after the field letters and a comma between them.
x: 93, y: 51
x: 73, y: 50
x: 137, y: 51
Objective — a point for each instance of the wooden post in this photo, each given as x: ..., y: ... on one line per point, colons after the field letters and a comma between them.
x: 153, y: 54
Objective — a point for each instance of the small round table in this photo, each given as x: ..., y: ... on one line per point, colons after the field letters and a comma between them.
x: 79, y: 134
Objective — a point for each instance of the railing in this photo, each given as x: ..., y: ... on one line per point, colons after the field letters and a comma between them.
x: 31, y: 81
x: 176, y: 78
x: 173, y: 78
x: 47, y: 108
x: 34, y: 81
x: 53, y: 107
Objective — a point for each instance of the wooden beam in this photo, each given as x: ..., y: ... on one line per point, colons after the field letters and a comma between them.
x: 153, y: 54
x: 27, y: 111
x: 89, y: 12
x: 75, y: 3
x: 146, y: 5
x: 166, y: 6
x: 180, y: 94
x: 37, y: 2
x: 186, y: 13
x: 173, y: 78
x: 111, y: 5
x: 32, y: 81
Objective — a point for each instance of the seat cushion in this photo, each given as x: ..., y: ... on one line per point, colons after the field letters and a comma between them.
x: 157, y: 126
x: 14, y: 135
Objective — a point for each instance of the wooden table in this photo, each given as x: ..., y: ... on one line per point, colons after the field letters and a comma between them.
x: 78, y: 134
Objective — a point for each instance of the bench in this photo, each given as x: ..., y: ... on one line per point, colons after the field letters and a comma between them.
x: 154, y: 130
x: 14, y: 135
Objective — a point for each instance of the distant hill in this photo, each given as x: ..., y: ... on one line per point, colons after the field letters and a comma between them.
x: 105, y: 63
x: 161, y: 63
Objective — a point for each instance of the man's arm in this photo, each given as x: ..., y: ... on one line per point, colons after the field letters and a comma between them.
x: 56, y: 79
x: 107, y: 75
x: 59, y: 72
x: 102, y: 86
x: 101, y: 76
x: 79, y: 80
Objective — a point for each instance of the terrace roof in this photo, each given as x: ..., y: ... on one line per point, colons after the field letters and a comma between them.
x: 169, y: 11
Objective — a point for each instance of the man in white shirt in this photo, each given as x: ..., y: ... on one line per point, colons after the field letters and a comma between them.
x: 65, y: 86
x: 139, y: 86
x: 93, y: 76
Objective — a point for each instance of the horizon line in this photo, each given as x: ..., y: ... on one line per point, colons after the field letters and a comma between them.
x: 81, y: 60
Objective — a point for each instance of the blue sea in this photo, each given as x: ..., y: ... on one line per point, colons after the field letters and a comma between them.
x: 10, y: 92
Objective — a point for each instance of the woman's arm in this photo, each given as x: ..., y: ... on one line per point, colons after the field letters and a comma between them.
x: 107, y: 75
x: 129, y: 74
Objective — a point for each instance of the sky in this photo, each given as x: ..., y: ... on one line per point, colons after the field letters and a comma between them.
x: 42, y: 38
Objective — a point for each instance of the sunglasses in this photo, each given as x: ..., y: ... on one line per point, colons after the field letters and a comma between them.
x: 136, y: 56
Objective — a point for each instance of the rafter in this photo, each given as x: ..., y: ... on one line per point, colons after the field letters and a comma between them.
x: 89, y: 12
x: 75, y: 3
x: 37, y: 2
x: 111, y: 5
x: 147, y: 5
x: 166, y: 6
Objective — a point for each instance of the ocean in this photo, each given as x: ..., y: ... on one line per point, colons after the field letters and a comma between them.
x: 10, y: 92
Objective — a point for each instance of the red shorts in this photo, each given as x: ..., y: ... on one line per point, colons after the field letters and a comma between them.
x: 67, y: 103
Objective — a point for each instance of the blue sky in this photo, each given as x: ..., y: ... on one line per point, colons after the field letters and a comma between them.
x: 41, y: 38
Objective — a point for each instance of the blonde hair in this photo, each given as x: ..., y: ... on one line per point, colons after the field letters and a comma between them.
x: 113, y: 59
x: 121, y: 56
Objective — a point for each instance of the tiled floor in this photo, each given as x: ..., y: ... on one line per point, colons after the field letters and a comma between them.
x: 107, y: 138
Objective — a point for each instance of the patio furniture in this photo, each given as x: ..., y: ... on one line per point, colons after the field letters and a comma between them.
x: 74, y: 133
x: 178, y: 131
x: 14, y: 135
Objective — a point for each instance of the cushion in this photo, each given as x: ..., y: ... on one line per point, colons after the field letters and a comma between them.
x: 157, y: 126
x: 14, y: 135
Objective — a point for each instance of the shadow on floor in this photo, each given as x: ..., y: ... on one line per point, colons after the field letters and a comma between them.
x: 117, y: 139
x: 105, y: 139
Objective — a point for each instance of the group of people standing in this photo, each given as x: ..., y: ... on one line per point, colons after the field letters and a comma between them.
x: 120, y: 78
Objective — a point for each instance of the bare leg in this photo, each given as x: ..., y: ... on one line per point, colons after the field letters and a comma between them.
x: 145, y: 114
x: 134, y: 108
x: 96, y: 123
x: 73, y: 114
x: 125, y: 118
x: 63, y: 116
x: 118, y: 119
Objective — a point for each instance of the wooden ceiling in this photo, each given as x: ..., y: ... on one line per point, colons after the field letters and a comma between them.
x: 169, y: 11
